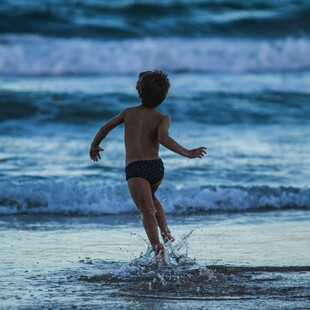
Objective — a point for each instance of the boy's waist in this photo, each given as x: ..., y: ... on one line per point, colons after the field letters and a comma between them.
x: 145, y: 161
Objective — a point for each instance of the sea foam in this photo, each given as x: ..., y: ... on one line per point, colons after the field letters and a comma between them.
x: 37, y: 55
x: 96, y: 198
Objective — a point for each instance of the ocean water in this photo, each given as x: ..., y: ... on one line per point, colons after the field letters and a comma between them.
x: 240, y: 85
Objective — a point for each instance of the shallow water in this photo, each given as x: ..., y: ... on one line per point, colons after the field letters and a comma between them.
x: 249, y: 259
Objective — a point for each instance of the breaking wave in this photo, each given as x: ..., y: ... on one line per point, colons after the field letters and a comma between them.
x: 96, y: 198
x: 36, y: 55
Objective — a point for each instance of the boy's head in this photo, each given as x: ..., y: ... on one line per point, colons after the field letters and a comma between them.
x: 152, y: 87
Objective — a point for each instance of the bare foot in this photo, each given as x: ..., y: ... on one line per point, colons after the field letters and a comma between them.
x: 160, y: 253
x: 167, y: 236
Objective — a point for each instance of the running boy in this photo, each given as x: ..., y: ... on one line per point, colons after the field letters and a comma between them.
x: 145, y: 129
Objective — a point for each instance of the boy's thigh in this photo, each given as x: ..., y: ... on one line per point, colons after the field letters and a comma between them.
x: 141, y: 193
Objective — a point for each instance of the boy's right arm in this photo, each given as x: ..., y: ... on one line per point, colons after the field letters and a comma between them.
x: 172, y: 145
x: 95, y: 149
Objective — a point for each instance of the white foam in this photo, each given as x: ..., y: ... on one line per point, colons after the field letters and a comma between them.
x: 71, y: 197
x: 35, y: 55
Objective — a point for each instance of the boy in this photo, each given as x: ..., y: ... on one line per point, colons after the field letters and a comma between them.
x: 145, y: 129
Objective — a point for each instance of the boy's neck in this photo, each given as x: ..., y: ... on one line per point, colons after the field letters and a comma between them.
x: 142, y: 106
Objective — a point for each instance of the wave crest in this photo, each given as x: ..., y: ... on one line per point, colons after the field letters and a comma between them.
x: 34, y: 55
x: 96, y: 198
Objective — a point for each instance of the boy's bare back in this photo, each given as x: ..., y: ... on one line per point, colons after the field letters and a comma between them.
x: 145, y: 129
x: 141, y: 133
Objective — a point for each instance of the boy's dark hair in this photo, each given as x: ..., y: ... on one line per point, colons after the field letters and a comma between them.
x: 152, y: 87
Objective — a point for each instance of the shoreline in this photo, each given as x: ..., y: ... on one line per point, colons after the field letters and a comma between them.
x: 279, y: 239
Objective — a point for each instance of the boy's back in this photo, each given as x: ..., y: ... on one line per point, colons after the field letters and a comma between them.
x: 141, y: 133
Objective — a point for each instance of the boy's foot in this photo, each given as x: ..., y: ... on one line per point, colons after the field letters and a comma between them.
x: 167, y: 236
x: 160, y: 253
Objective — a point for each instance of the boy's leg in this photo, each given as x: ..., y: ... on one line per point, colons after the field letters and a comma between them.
x: 141, y: 194
x: 160, y: 215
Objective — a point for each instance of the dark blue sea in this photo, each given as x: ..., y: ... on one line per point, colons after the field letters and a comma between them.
x: 240, y: 85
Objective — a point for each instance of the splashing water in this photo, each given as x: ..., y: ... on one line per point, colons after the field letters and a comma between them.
x: 184, y: 279
x: 149, y: 273
x: 175, y: 254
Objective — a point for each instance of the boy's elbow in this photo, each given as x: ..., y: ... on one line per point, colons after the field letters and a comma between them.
x: 163, y: 139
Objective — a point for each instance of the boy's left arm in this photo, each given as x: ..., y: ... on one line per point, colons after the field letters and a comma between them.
x: 95, y: 149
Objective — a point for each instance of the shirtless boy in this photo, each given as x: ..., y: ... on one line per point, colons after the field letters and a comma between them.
x: 145, y: 129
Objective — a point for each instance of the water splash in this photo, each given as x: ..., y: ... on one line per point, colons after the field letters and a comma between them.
x: 148, y: 272
x: 184, y: 279
x: 176, y: 255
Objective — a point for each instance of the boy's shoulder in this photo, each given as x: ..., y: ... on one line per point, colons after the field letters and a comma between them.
x: 126, y: 111
x: 129, y: 109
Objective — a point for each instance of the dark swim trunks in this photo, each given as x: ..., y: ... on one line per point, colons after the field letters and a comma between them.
x: 151, y: 170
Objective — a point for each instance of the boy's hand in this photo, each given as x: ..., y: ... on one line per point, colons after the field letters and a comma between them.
x: 199, y: 152
x: 94, y: 153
